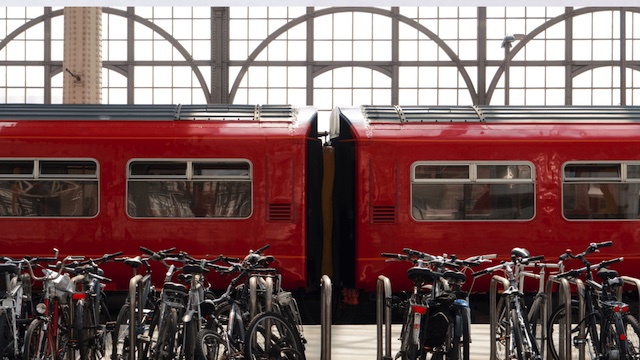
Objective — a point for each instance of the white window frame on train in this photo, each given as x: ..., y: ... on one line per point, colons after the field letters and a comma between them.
x: 182, y: 195
x: 458, y: 195
x: 601, y: 190
x: 49, y: 187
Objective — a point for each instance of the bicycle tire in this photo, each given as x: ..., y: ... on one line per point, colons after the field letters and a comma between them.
x: 501, y: 331
x: 461, y: 338
x: 166, y: 346
x: 612, y: 334
x: 271, y: 336
x: 556, y: 334
x: 632, y: 330
x: 152, y: 333
x: 210, y: 346
x: 535, y: 318
x: 7, y: 345
x: 120, y: 344
x: 190, y: 332
x: 78, y: 325
x: 36, y: 341
x: 408, y: 349
x: 518, y: 336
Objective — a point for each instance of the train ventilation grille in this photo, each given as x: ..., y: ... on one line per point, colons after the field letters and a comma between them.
x: 384, y: 214
x: 279, y: 212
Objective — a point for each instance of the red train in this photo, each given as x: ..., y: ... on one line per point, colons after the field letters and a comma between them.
x: 479, y: 180
x: 206, y: 179
x: 211, y: 179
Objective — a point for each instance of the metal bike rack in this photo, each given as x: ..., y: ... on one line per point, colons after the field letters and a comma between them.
x: 581, y: 311
x: 493, y: 316
x: 631, y: 281
x: 268, y: 293
x: 267, y: 284
x: 564, y: 298
x: 383, y: 314
x: 134, y: 283
x: 325, y: 320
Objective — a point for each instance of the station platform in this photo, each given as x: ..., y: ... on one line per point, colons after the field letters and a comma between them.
x: 359, y: 342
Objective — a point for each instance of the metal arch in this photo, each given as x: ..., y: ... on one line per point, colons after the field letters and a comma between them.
x: 170, y: 39
x: 540, y: 29
x: 380, y: 69
x: 585, y: 68
x: 334, y: 10
x: 28, y: 25
x: 124, y: 14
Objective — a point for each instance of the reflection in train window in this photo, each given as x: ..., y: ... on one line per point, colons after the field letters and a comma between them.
x: 189, y: 188
x: 601, y: 191
x: 472, y: 191
x: 50, y: 188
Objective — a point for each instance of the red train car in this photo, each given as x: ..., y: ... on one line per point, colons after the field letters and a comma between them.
x: 92, y: 179
x: 478, y: 180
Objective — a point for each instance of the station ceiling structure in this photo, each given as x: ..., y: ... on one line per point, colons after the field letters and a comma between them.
x: 335, y: 56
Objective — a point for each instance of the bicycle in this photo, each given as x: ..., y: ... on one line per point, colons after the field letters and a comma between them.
x: 89, y: 299
x: 514, y: 338
x: 131, y: 341
x: 16, y: 307
x: 436, y: 314
x: 268, y: 335
x: 49, y: 336
x: 603, y: 326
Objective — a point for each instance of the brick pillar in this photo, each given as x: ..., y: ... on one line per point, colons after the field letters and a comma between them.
x: 82, y: 63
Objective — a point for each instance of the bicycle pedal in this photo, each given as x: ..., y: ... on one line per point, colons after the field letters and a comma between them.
x: 579, y: 340
x: 144, y: 338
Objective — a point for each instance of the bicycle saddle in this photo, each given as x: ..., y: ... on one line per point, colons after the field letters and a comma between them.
x: 606, y: 274
x: 455, y: 276
x: 424, y: 275
x: 9, y: 268
x: 520, y: 252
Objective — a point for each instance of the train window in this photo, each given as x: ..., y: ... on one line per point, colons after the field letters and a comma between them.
x: 189, y: 188
x: 158, y: 169
x: 16, y: 168
x: 49, y: 188
x: 472, y: 191
x: 601, y: 191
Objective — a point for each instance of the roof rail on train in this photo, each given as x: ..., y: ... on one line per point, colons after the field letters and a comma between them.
x: 226, y: 112
x: 496, y: 114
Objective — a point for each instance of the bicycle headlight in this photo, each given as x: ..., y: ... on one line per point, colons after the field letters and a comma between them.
x: 41, y: 308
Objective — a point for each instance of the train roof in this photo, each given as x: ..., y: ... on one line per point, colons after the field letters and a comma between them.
x: 367, y: 119
x: 187, y: 120
x: 169, y: 112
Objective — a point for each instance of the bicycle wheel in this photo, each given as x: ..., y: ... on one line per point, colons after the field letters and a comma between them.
x: 408, y: 346
x: 7, y: 345
x: 524, y: 342
x: 120, y: 345
x: 189, y: 338
x: 166, y: 346
x: 557, y: 333
x: 210, y: 346
x: 612, y: 334
x: 632, y: 330
x: 78, y: 326
x: 270, y: 336
x: 501, y: 331
x: 36, y: 341
x: 535, y: 317
x: 460, y: 341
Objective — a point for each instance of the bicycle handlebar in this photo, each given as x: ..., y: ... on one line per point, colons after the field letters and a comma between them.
x: 578, y: 272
